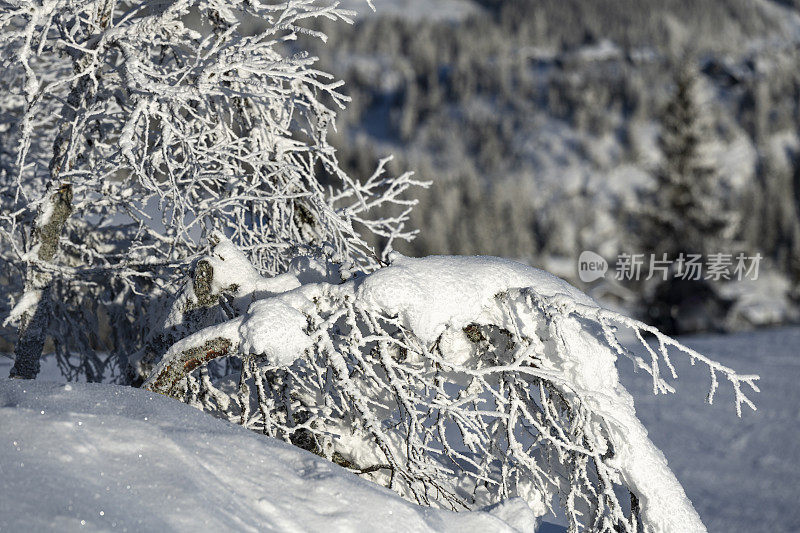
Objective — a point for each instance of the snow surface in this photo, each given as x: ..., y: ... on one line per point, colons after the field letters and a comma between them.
x: 276, y: 330
x: 741, y: 475
x: 90, y: 457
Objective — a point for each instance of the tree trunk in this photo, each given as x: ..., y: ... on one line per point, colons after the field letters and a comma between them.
x: 34, y: 323
x: 56, y: 209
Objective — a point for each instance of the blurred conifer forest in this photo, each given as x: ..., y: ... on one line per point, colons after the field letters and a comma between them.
x: 544, y: 127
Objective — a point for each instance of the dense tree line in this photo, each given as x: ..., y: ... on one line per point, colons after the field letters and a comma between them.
x: 528, y: 111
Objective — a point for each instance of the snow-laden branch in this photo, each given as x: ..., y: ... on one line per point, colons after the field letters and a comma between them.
x: 168, y: 121
x: 456, y: 381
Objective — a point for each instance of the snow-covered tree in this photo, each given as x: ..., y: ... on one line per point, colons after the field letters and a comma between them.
x: 688, y: 210
x: 456, y: 381
x: 166, y: 171
x: 132, y: 129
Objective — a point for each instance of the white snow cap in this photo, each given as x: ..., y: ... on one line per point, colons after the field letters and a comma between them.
x: 428, y: 295
x: 275, y: 329
x: 432, y: 293
x: 232, y: 267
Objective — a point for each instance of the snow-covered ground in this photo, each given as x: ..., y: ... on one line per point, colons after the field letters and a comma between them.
x: 742, y: 475
x: 148, y: 463
x: 78, y: 457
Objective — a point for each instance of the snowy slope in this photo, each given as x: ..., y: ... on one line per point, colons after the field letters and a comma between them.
x: 741, y: 475
x: 101, y: 457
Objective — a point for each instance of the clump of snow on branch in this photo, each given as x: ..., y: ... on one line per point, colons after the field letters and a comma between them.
x: 159, y: 123
x: 456, y: 381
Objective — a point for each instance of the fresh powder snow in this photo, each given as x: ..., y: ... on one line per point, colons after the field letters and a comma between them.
x: 434, y: 292
x: 91, y: 457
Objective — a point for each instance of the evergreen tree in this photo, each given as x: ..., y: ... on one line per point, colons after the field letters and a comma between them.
x: 686, y: 212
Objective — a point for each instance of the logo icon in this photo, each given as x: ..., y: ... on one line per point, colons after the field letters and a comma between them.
x: 591, y: 266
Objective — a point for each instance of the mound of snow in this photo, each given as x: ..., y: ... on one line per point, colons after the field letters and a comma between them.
x: 95, y: 457
x: 434, y: 292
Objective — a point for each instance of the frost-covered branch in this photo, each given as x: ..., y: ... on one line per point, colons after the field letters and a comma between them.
x: 470, y: 380
x: 168, y: 121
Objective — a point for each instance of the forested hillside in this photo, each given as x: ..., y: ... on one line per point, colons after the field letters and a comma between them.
x: 522, y: 111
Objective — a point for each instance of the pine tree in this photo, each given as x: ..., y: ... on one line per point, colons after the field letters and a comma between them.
x: 686, y: 212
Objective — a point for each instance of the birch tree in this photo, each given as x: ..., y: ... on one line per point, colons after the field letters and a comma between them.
x: 130, y: 130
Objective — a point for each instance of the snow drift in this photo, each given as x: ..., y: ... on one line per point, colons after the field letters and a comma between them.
x: 84, y: 457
